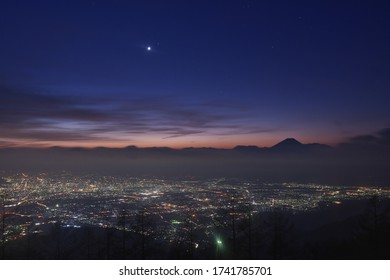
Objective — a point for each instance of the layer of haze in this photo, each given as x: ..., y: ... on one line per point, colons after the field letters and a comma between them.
x: 363, y: 160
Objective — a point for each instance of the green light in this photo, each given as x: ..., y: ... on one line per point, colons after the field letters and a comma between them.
x: 219, y: 248
x: 175, y: 222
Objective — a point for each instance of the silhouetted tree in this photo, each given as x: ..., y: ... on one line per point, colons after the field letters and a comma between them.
x: 122, y: 220
x: 228, y: 222
x: 279, y: 232
x: 89, y: 237
x: 233, y: 215
x: 141, y: 227
x: 2, y: 198
x: 374, y: 229
x: 28, y: 242
x: 246, y: 228
x: 57, y: 237
x: 109, y: 232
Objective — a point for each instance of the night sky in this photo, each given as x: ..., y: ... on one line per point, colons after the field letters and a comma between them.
x: 192, y: 73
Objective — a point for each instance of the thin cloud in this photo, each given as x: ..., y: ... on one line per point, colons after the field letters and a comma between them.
x: 39, y: 117
x: 381, y: 137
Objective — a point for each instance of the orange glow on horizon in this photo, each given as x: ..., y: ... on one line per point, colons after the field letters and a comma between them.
x: 221, y: 142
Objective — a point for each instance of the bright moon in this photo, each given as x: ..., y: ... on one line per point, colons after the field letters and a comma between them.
x: 149, y: 48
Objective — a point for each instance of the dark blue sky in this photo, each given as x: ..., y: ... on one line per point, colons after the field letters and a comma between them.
x: 219, y: 73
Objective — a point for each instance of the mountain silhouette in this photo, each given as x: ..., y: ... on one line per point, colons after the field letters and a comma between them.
x: 291, y: 145
x: 288, y: 143
x: 287, y: 146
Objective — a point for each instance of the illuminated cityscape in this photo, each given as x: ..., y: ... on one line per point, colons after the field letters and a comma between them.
x: 33, y: 203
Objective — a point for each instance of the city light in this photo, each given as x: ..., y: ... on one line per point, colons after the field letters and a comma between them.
x: 96, y: 201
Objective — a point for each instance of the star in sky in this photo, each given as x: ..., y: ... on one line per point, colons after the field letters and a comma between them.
x: 199, y: 74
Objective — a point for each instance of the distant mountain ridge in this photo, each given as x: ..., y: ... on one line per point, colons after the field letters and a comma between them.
x: 288, y: 160
x: 288, y: 145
